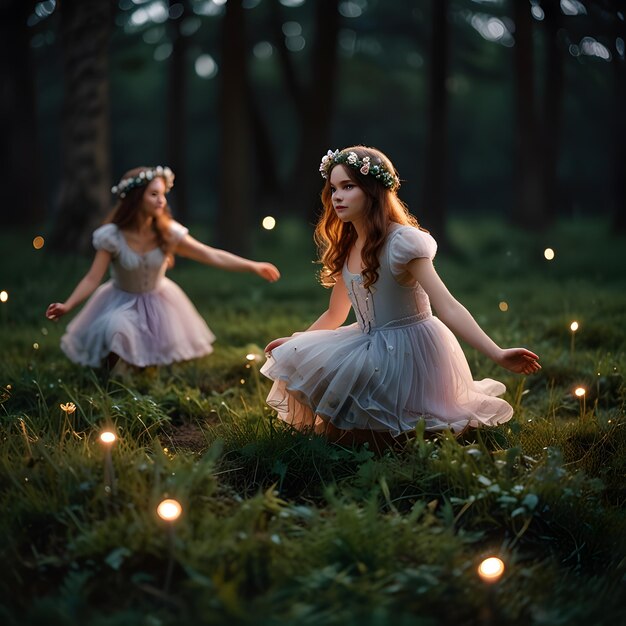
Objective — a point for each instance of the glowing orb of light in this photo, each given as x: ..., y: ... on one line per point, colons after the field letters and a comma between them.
x: 38, y: 242
x: 251, y: 357
x: 268, y: 222
x: 107, y: 437
x: 548, y: 253
x: 169, y: 510
x: 573, y: 326
x: 580, y: 391
x: 4, y: 296
x: 491, y: 569
x: 503, y: 306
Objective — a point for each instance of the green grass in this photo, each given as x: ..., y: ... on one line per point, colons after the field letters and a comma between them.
x: 281, y: 528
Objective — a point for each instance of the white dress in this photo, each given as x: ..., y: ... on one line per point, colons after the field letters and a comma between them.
x: 396, y: 366
x: 139, y: 314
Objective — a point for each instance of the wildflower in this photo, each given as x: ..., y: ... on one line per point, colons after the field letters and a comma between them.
x: 68, y: 408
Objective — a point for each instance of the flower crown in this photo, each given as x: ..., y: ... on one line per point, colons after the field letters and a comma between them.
x: 143, y: 178
x: 364, y: 165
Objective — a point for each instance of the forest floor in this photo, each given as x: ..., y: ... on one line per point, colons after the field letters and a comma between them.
x: 283, y: 528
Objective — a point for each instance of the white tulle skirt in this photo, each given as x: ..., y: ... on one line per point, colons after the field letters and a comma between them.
x: 387, y: 380
x: 152, y: 328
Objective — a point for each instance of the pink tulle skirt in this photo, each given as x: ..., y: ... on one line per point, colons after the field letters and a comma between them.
x: 152, y: 328
x: 386, y: 381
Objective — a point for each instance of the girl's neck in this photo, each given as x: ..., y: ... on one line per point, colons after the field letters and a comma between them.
x: 360, y: 233
x: 143, y: 225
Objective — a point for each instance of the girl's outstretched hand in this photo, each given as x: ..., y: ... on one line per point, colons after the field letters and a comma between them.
x: 275, y: 343
x: 266, y: 270
x: 56, y: 310
x: 519, y: 360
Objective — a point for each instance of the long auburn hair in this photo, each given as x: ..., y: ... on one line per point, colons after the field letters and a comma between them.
x: 125, y: 213
x: 334, y: 238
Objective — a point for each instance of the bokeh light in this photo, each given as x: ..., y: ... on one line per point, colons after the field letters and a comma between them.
x: 38, y: 242
x: 107, y: 437
x: 268, y: 222
x: 4, y: 296
x: 574, y: 326
x: 549, y: 254
x: 491, y: 569
x: 169, y: 510
x: 580, y: 392
x: 503, y: 306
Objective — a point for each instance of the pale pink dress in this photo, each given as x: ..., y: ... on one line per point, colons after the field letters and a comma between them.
x: 139, y: 314
x: 396, y: 366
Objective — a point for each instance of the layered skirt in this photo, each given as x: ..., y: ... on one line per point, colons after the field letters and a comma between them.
x: 386, y: 380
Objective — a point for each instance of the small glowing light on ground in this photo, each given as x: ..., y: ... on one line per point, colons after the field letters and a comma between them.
x: 573, y: 326
x: 503, y: 306
x: 251, y: 357
x: 580, y: 392
x: 35, y: 346
x: 38, y: 242
x: 268, y: 222
x: 68, y: 408
x: 169, y: 510
x: 108, y: 437
x: 4, y: 296
x: 491, y: 569
x: 548, y: 253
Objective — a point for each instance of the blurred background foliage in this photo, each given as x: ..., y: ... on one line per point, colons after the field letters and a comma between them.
x: 504, y: 107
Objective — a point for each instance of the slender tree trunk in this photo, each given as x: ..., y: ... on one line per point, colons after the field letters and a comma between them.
x: 527, y: 206
x: 314, y: 105
x: 177, y: 115
x: 619, y: 127
x: 19, y: 148
x: 84, y: 196
x: 434, y: 199
x: 234, y: 213
x: 552, y: 110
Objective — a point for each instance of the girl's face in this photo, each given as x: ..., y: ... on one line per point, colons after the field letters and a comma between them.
x: 349, y: 200
x: 153, y: 201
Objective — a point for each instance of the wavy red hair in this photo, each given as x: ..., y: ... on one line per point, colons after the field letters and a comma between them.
x: 334, y: 238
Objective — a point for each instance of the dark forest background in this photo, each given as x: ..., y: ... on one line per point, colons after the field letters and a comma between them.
x: 504, y: 107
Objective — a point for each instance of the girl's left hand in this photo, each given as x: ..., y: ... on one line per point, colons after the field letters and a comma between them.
x: 266, y: 270
x: 519, y: 360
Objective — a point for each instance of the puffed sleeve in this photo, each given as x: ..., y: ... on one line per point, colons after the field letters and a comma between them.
x: 107, y: 237
x: 177, y: 232
x: 409, y: 243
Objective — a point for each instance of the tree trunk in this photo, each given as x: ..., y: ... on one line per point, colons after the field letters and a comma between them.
x: 177, y: 115
x: 84, y: 196
x: 527, y: 206
x: 19, y: 149
x: 314, y: 106
x: 619, y: 129
x: 434, y: 199
x: 552, y: 110
x: 234, y: 213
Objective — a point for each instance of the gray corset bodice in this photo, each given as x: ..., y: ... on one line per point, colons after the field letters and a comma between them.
x: 138, y: 273
x: 387, y: 303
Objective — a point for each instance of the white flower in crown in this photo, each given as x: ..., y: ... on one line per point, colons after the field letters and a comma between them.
x: 327, y: 161
x: 365, y: 168
x: 352, y: 158
x: 159, y: 170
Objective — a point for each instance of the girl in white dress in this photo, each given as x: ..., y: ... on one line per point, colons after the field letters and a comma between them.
x: 139, y: 315
x: 398, y: 364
